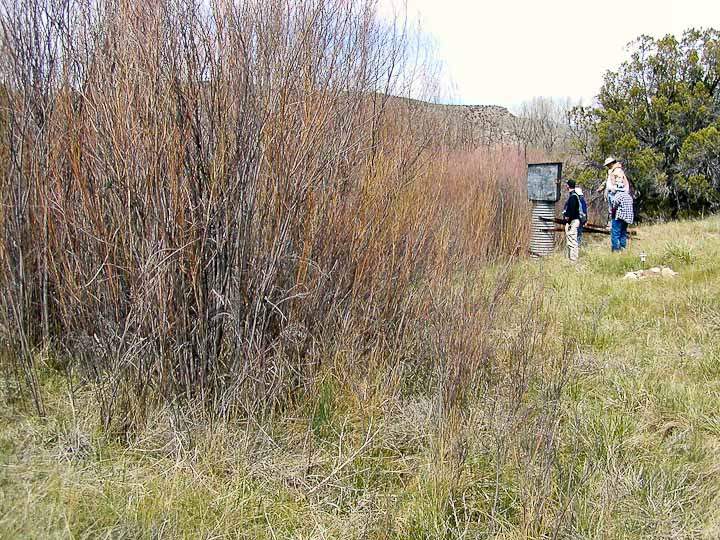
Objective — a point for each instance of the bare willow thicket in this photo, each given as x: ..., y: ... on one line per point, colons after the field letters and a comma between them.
x: 197, y: 198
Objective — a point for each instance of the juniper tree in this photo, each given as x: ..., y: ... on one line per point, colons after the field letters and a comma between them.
x: 660, y: 114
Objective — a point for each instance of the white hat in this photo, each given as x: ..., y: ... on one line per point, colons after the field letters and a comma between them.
x: 609, y: 161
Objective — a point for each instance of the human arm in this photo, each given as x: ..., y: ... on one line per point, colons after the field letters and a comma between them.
x: 608, y: 185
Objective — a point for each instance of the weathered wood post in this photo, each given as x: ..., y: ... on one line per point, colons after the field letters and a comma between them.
x: 544, y: 192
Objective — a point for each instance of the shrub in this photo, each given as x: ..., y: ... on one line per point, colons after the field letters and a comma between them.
x: 199, y: 201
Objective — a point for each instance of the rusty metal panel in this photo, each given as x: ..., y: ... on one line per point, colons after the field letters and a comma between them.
x: 544, y: 181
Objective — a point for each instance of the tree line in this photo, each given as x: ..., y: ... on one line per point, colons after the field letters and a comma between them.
x: 659, y: 113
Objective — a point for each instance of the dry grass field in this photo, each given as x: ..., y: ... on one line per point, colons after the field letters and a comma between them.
x: 250, y: 289
x: 593, y: 413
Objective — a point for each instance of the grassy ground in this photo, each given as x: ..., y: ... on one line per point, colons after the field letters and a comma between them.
x: 649, y: 386
x: 613, y: 432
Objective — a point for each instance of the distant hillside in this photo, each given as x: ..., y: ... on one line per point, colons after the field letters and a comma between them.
x: 478, y: 125
x: 540, y: 125
x: 469, y: 125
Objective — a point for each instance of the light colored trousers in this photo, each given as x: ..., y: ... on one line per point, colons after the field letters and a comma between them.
x: 571, y: 240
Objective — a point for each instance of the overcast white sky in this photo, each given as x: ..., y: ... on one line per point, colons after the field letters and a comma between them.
x: 504, y: 52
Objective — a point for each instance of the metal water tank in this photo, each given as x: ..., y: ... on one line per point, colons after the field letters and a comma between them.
x: 543, y: 192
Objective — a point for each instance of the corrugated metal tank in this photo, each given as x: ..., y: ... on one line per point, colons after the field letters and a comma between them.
x: 542, y: 241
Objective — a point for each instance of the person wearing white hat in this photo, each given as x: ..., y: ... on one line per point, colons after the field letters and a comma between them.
x: 616, y: 181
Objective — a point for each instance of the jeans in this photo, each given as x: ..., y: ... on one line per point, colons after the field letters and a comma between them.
x: 579, y: 235
x: 618, y: 234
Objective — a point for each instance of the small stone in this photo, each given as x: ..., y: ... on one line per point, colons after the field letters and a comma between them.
x: 668, y: 272
x: 655, y: 270
x: 631, y: 275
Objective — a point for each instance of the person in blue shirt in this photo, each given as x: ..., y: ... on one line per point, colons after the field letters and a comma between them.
x: 583, y: 207
x: 571, y: 215
x: 582, y: 214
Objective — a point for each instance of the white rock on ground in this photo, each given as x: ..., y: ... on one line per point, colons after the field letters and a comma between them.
x: 662, y: 271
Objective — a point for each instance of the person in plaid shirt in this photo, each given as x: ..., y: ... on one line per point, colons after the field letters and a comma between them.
x: 622, y: 214
x: 616, y: 181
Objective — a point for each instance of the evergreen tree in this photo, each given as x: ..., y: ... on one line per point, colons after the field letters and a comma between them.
x: 660, y: 114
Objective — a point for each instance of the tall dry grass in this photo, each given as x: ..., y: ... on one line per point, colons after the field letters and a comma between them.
x: 200, y: 203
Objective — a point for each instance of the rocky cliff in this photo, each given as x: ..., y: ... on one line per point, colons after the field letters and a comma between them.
x: 467, y: 125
